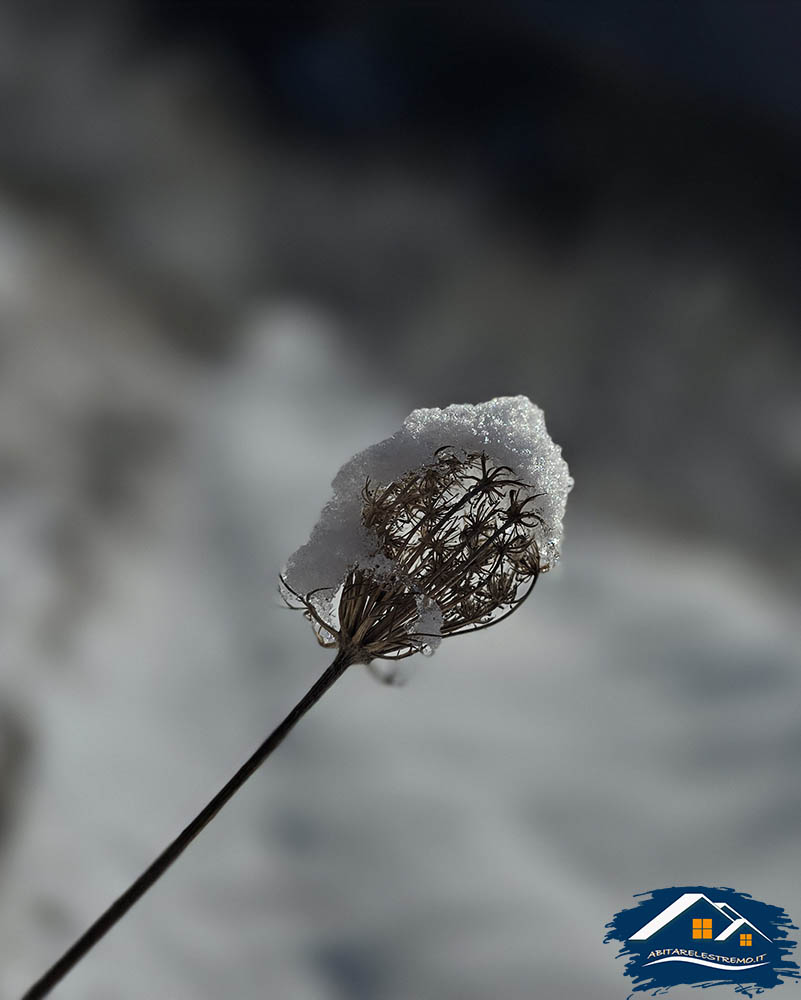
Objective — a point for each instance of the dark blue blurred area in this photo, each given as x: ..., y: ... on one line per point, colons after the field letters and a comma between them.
x: 498, y: 85
x: 559, y: 112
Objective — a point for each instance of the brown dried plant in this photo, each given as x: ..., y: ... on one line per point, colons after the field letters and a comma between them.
x: 458, y: 534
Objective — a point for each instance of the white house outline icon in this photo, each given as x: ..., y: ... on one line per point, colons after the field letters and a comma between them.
x: 684, y: 902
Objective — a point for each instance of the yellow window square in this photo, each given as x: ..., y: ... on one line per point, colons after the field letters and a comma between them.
x: 745, y: 940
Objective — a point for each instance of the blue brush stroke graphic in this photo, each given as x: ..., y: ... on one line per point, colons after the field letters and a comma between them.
x: 658, y: 973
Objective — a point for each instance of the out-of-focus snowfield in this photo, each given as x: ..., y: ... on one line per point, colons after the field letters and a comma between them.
x: 635, y: 725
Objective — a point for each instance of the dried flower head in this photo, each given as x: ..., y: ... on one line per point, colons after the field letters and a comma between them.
x: 442, y: 529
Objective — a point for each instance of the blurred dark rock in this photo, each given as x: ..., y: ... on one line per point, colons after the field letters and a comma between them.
x: 15, y: 753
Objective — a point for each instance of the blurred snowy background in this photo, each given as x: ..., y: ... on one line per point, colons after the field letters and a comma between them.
x: 237, y: 244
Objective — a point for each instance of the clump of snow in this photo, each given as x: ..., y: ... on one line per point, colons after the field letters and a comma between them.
x: 510, y: 429
x: 428, y: 627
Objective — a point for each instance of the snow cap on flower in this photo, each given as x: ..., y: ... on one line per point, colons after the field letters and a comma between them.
x: 434, y: 530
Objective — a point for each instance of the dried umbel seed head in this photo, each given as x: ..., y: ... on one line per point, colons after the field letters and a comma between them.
x: 459, y: 532
x: 410, y: 551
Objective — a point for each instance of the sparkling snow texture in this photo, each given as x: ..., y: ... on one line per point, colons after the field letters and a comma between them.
x: 510, y: 429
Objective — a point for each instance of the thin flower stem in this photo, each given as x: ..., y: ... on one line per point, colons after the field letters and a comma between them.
x: 137, y: 889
